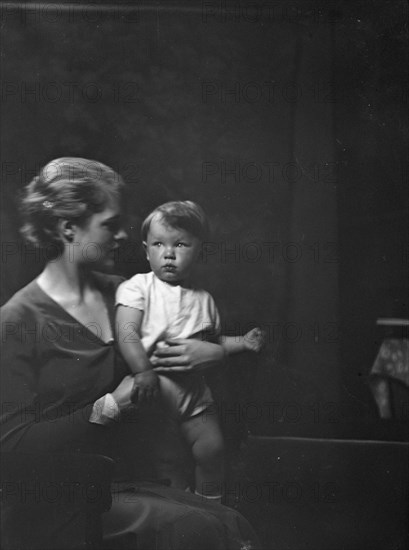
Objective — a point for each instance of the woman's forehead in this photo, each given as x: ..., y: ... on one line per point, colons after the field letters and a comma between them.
x: 112, y: 210
x: 113, y: 204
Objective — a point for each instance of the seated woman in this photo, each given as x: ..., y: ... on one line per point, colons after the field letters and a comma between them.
x: 64, y: 386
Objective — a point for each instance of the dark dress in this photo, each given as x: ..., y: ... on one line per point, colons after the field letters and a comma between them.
x: 53, y: 370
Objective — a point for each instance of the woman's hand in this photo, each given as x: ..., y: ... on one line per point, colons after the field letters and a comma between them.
x: 185, y: 354
x: 145, y: 387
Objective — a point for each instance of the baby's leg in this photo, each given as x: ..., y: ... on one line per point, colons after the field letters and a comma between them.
x: 171, y: 455
x: 205, y: 438
x: 172, y: 458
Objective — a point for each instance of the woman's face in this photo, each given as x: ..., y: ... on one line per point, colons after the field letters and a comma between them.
x: 97, y: 240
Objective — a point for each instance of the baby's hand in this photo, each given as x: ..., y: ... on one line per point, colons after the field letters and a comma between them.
x: 254, y: 340
x: 145, y: 387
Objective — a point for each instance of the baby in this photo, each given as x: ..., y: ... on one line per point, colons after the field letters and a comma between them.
x: 162, y: 305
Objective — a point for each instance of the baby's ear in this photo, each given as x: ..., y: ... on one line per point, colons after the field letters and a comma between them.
x: 145, y: 247
x: 199, y: 250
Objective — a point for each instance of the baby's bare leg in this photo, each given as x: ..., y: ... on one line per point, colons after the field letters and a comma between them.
x: 172, y: 459
x: 203, y: 434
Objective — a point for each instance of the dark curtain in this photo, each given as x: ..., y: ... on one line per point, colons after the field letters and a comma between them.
x: 233, y: 109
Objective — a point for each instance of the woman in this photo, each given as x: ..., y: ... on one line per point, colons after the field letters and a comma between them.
x: 64, y: 387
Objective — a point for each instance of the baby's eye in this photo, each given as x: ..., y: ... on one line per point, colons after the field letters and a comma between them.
x: 180, y: 245
x: 157, y: 243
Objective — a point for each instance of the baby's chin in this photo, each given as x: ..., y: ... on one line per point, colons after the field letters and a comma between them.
x: 170, y: 278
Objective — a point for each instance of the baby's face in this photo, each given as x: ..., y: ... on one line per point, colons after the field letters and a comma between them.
x: 171, y: 252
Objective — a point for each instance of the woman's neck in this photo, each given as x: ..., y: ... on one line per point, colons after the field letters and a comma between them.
x: 64, y: 278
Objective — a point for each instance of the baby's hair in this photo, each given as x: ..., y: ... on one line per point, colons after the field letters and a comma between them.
x: 67, y: 188
x: 185, y: 215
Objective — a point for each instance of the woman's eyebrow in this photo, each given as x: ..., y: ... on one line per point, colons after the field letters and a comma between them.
x: 113, y: 218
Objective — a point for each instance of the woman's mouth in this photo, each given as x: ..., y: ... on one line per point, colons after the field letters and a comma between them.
x: 112, y: 253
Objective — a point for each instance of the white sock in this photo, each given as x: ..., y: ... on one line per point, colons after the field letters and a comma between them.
x: 214, y: 498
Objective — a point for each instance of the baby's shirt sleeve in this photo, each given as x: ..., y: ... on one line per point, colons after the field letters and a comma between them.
x: 132, y: 293
x: 212, y: 327
x: 216, y: 317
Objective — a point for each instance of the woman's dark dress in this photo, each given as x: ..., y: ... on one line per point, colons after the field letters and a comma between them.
x: 53, y: 370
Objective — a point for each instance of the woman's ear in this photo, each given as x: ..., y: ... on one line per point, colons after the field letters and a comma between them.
x: 66, y: 230
x: 145, y: 247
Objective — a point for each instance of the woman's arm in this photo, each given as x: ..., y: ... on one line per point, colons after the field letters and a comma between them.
x: 188, y: 354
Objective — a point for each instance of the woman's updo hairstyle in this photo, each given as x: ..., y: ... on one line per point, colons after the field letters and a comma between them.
x: 66, y: 188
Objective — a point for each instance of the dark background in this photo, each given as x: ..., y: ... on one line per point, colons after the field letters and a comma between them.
x: 287, y: 123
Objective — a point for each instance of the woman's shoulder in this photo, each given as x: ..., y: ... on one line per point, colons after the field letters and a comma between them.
x: 22, y: 302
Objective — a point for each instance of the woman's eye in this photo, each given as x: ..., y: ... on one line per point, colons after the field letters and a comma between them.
x: 113, y: 227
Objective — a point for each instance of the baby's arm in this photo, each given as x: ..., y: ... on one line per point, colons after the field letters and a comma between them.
x: 252, y: 341
x: 128, y: 326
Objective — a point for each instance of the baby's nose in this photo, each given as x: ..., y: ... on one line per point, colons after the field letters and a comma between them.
x: 169, y: 252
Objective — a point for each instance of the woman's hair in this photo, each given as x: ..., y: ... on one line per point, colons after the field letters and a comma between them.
x: 185, y: 215
x: 66, y: 188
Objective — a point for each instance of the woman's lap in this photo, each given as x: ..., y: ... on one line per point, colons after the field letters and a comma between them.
x: 152, y: 516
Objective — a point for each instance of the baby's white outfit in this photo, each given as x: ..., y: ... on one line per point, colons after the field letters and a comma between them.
x: 173, y: 312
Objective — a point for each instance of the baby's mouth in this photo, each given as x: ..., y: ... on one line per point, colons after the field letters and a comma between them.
x: 169, y: 267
